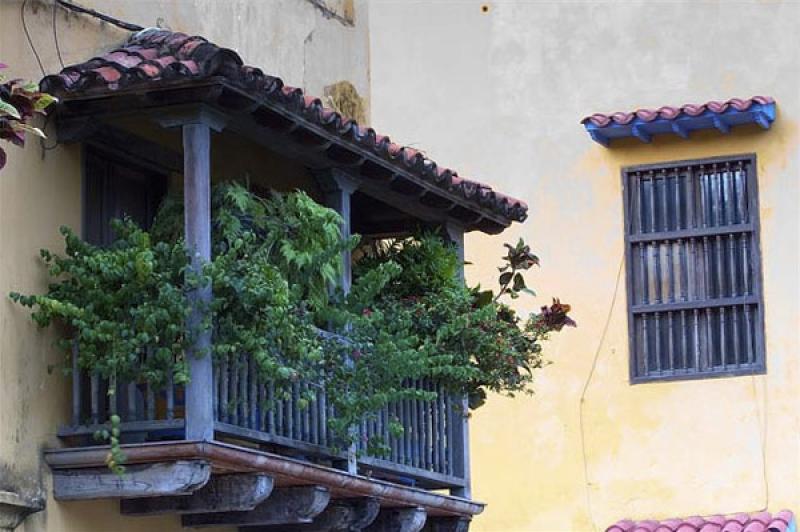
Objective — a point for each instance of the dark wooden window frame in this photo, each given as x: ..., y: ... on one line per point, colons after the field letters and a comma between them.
x: 114, y: 155
x: 758, y: 366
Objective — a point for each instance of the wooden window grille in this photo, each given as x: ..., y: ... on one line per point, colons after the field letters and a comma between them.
x: 695, y: 306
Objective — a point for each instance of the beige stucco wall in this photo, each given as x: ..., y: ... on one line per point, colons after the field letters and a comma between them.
x: 39, y: 191
x: 499, y: 96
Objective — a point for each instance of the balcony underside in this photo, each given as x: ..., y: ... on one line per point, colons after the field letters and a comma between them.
x: 194, y: 479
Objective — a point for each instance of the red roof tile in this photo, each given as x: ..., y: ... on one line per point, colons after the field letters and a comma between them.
x: 153, y: 56
x: 671, y: 113
x: 758, y: 522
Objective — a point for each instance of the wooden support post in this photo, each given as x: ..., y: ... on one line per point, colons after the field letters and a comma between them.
x: 197, y: 221
x: 447, y: 524
x: 286, y: 506
x: 339, y: 188
x: 223, y: 493
x: 343, y: 515
x: 151, y: 480
x: 196, y: 123
x: 399, y: 520
x: 461, y: 431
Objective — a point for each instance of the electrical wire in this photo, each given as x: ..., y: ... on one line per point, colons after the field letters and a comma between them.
x: 101, y: 16
x: 586, y: 387
x: 28, y: 36
x: 55, y: 34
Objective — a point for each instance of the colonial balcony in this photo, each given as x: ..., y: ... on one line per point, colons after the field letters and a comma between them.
x: 226, y: 449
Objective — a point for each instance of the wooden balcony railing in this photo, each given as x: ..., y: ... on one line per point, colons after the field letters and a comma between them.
x: 430, y: 452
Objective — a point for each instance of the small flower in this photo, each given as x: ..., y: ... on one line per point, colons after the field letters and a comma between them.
x: 555, y: 316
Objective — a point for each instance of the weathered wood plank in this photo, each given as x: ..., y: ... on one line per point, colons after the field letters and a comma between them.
x: 399, y: 520
x: 182, y: 477
x: 286, y: 506
x: 447, y: 524
x: 343, y: 515
x: 223, y: 493
x: 14, y: 508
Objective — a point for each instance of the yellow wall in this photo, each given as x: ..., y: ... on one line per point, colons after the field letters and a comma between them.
x: 41, y: 190
x: 499, y: 96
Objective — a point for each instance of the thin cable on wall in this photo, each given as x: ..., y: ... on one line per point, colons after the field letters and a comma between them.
x: 586, y: 387
x: 55, y: 34
x: 28, y: 36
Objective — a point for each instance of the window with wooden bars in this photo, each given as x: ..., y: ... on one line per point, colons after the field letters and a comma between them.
x: 693, y: 269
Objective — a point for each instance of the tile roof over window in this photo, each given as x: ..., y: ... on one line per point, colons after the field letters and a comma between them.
x: 644, y: 123
x: 154, y: 57
x: 783, y: 521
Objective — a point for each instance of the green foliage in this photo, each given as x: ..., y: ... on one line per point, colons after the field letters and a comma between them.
x: 274, y: 265
x: 19, y: 101
x: 429, y: 264
x: 471, y: 341
x: 125, y: 306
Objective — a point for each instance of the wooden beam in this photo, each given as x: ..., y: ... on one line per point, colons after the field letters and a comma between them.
x: 197, y: 220
x: 399, y: 520
x: 447, y: 524
x: 343, y: 515
x: 147, y: 480
x: 223, y: 493
x: 286, y: 506
x: 118, y: 141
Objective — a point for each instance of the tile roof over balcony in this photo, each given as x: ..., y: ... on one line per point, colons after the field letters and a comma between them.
x: 157, y: 58
x: 783, y: 521
x: 644, y: 123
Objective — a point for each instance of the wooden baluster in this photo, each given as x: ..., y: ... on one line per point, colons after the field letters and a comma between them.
x: 280, y: 417
x: 215, y: 392
x: 254, y: 409
x: 171, y: 396
x: 323, y: 418
x: 272, y: 404
x: 313, y: 407
x: 451, y: 422
x: 264, y: 405
x: 224, y: 386
x: 151, y: 395
x: 233, y: 409
x: 132, y: 412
